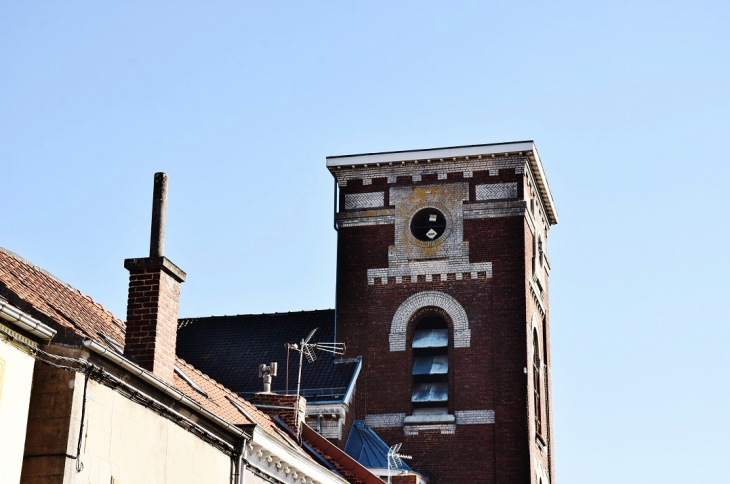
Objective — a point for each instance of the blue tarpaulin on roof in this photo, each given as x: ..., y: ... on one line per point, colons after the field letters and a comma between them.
x: 366, y: 447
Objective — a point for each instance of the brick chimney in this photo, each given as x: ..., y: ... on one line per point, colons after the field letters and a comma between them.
x: 282, y: 406
x: 154, y: 293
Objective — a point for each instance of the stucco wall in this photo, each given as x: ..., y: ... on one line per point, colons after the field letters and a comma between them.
x: 123, y: 442
x: 16, y: 372
x: 134, y: 445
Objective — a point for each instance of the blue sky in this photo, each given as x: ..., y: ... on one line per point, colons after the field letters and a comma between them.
x: 240, y: 102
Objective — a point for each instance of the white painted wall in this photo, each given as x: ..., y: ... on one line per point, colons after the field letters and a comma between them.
x: 134, y: 445
x: 16, y: 375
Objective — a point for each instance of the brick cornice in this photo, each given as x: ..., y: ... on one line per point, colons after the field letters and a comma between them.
x: 155, y: 263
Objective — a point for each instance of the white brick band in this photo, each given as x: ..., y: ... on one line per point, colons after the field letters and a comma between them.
x: 364, y: 200
x: 494, y: 191
x: 474, y: 417
x: 382, y: 420
x: 440, y: 168
x: 414, y: 429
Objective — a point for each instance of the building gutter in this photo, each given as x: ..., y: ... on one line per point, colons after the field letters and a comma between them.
x: 165, y: 388
x: 350, y: 389
x: 25, y: 322
x: 257, y: 434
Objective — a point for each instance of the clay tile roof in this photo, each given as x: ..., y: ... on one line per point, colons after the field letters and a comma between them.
x: 231, y: 348
x: 55, y: 302
x: 62, y: 306
x: 222, y: 402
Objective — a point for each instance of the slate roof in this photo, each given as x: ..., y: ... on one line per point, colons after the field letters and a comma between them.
x: 366, y: 447
x: 231, y: 348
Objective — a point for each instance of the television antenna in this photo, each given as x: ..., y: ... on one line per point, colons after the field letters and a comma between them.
x: 395, y: 459
x: 306, y: 348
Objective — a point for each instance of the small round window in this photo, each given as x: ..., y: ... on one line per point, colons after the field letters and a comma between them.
x: 428, y: 224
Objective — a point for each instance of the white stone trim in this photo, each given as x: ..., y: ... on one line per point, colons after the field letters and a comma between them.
x: 444, y: 428
x: 346, y: 173
x: 429, y: 269
x: 474, y: 417
x: 366, y: 217
x: 402, y: 316
x: 495, y: 209
x: 431, y: 154
x: 384, y: 420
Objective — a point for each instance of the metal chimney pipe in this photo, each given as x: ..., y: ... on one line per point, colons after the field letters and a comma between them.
x: 159, y: 214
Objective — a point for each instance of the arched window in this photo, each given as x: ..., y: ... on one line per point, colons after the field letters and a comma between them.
x: 430, y: 366
x: 536, y: 385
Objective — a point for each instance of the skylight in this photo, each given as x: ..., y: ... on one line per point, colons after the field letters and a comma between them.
x: 190, y: 381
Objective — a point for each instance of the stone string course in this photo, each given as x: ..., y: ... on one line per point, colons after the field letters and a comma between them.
x: 444, y: 428
x: 495, y: 209
x: 463, y: 417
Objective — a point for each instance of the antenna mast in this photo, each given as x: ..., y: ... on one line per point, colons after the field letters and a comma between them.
x: 395, y: 459
x: 306, y: 348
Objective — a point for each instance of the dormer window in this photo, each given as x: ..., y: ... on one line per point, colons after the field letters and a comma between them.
x: 430, y: 365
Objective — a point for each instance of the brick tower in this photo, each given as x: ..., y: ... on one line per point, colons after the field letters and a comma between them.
x: 442, y: 274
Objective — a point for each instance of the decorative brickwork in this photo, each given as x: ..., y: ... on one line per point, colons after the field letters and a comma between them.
x: 474, y: 417
x: 495, y: 191
x: 477, y: 273
x: 364, y: 200
x: 435, y: 167
x: 399, y: 325
x: 384, y: 420
x: 440, y: 428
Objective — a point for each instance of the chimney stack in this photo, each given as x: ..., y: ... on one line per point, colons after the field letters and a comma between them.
x: 154, y: 293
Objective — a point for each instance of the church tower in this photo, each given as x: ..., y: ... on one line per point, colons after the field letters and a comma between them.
x: 442, y: 288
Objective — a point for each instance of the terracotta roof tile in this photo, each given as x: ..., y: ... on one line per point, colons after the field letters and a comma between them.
x: 59, y: 302
x: 66, y: 307
x: 219, y: 402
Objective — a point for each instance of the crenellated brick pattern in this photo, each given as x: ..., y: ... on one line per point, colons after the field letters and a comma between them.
x: 152, y: 311
x: 441, y: 169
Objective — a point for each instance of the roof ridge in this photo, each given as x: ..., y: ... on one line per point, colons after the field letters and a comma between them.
x: 32, y: 266
x: 197, y: 318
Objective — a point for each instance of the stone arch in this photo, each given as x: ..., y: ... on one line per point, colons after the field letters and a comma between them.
x: 399, y: 325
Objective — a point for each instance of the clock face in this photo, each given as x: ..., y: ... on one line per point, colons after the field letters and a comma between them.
x: 428, y: 224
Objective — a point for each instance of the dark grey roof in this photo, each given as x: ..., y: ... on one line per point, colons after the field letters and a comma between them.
x: 366, y: 447
x: 231, y: 348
